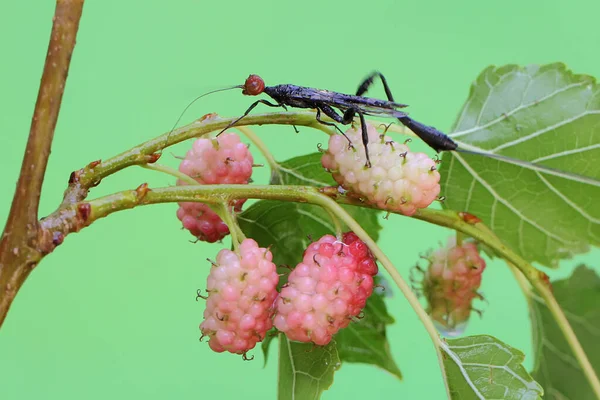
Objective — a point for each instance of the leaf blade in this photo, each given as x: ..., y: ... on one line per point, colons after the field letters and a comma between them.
x: 286, y: 227
x: 270, y: 222
x: 545, y: 115
x: 556, y: 367
x: 483, y: 367
x: 303, y: 170
x: 305, y: 370
x: 365, y: 341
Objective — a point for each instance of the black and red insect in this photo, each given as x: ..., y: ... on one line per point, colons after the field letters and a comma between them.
x: 342, y: 108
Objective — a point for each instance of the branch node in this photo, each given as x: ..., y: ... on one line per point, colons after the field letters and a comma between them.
x: 93, y: 164
x: 469, y: 218
x: 152, y: 158
x: 84, y: 210
x: 142, y: 191
x: 57, y: 238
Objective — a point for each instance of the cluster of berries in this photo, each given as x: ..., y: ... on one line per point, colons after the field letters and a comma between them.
x: 323, y: 294
x: 399, y: 180
x: 330, y: 286
x: 222, y: 160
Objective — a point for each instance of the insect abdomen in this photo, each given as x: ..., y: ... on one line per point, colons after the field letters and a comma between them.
x: 430, y: 135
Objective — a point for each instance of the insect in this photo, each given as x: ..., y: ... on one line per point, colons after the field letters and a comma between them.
x: 326, y: 102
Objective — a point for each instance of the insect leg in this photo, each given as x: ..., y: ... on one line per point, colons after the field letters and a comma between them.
x: 365, y: 136
x: 265, y: 102
x: 328, y: 123
x: 433, y: 137
x: 348, y: 118
x: 364, y: 86
x: 331, y: 113
x: 293, y: 126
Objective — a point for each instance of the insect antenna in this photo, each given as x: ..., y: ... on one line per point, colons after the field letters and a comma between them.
x: 191, y: 103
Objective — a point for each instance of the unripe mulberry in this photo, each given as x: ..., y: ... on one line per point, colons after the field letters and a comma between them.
x: 241, y: 290
x: 222, y: 160
x: 398, y: 180
x: 326, y: 290
x: 202, y: 222
x: 450, y: 285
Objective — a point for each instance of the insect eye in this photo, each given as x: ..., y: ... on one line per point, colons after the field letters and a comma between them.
x: 254, y: 85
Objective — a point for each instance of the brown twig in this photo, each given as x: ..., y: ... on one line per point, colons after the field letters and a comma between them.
x: 19, y: 245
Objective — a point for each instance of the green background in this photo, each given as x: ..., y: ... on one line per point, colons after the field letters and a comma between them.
x: 111, y: 312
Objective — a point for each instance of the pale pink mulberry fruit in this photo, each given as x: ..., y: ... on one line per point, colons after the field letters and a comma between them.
x: 450, y: 284
x: 242, y: 288
x: 326, y: 290
x: 222, y: 160
x: 202, y: 222
x: 398, y: 180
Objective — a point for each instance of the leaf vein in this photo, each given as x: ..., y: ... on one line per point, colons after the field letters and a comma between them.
x: 567, y: 200
x: 506, y: 203
x: 544, y: 130
x: 464, y: 373
x: 563, y: 356
x: 316, y: 219
x: 566, y: 153
x: 515, y: 110
x: 301, y: 177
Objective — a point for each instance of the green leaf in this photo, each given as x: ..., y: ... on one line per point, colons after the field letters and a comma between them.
x: 482, y: 367
x: 545, y: 115
x: 266, y: 343
x: 556, y: 368
x: 287, y: 226
x: 305, y: 370
x: 303, y: 170
x: 365, y: 341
